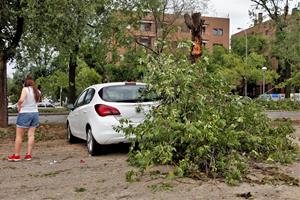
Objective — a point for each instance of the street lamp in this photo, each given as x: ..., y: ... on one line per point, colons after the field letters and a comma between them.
x: 246, y: 54
x: 264, y: 69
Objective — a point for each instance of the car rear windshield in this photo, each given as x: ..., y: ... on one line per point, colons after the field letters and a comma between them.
x: 126, y: 93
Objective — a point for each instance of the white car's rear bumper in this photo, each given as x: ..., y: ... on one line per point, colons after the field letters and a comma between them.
x: 105, y: 133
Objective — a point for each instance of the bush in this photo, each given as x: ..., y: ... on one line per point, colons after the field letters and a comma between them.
x: 200, y: 127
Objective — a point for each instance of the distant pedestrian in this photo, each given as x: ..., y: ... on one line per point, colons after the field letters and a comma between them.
x: 28, y: 118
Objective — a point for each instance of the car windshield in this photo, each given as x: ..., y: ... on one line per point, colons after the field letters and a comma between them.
x: 126, y: 93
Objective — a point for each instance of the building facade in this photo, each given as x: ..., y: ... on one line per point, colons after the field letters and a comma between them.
x: 266, y: 29
x: 216, y: 31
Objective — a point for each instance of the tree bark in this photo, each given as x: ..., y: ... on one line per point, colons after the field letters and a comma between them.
x: 3, y: 91
x: 287, y: 75
x: 7, y: 53
x: 72, y: 74
x: 195, y: 24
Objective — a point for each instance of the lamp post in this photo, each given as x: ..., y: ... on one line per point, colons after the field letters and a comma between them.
x: 246, y: 54
x: 264, y: 69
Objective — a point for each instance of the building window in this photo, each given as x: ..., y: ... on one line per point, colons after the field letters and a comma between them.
x: 146, y: 41
x: 204, y: 27
x: 204, y: 43
x: 145, y: 27
x: 218, y: 44
x: 217, y: 31
x: 203, y: 30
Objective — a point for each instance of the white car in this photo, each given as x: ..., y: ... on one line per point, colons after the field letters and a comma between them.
x: 45, y: 105
x: 99, y: 108
x: 12, y: 106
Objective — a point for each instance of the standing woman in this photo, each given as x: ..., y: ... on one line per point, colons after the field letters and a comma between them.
x: 28, y: 118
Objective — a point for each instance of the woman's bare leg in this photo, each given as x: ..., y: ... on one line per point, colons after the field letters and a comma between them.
x: 30, y: 144
x: 19, y: 140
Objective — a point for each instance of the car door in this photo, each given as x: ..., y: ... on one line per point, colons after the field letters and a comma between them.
x: 83, y: 113
x: 74, y: 116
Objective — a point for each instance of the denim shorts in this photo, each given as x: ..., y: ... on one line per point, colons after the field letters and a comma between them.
x: 28, y: 120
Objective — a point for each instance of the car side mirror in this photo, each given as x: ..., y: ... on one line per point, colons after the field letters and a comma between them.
x: 70, y: 106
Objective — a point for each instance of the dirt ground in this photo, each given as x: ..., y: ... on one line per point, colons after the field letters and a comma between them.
x: 63, y: 171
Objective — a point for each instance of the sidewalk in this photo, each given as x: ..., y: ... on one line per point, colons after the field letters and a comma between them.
x: 293, y: 115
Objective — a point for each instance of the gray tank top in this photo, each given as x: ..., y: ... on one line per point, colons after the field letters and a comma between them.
x: 29, y: 104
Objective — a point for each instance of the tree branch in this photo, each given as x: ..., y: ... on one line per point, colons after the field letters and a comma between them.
x: 90, y: 25
x: 16, y: 38
x: 188, y: 21
x: 145, y: 46
x: 263, y: 4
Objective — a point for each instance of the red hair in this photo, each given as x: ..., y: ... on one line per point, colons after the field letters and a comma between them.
x: 29, y: 82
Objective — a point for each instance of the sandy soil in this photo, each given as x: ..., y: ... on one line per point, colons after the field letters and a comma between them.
x: 63, y: 171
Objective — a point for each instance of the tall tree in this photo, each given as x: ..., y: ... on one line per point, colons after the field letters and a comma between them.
x: 11, y: 30
x: 292, y: 48
x: 64, y: 26
x: 256, y: 43
x: 278, y: 11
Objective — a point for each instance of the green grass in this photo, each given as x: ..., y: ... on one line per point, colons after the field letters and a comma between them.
x: 45, y: 110
x: 44, y: 132
x: 7, y: 132
x: 160, y: 187
x: 80, y: 189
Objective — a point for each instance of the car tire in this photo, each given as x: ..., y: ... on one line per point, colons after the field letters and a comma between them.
x: 92, y: 145
x: 71, y: 138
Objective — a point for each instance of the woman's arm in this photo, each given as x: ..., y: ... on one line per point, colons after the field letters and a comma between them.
x: 21, y: 99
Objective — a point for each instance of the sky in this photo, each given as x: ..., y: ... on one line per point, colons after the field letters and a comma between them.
x: 236, y: 10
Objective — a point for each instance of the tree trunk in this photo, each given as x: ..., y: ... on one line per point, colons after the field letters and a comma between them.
x: 287, y: 75
x: 195, y: 24
x: 72, y: 74
x: 3, y: 91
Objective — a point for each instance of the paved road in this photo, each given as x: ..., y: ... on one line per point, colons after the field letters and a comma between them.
x: 293, y: 115
x: 62, y: 118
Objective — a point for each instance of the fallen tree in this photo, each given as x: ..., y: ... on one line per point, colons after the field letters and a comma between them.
x: 201, y: 128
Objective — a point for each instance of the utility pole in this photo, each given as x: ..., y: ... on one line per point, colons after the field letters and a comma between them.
x: 246, y: 58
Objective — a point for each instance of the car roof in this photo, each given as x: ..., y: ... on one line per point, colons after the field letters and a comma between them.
x: 98, y: 86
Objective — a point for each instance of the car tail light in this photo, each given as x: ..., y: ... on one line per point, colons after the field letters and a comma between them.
x: 104, y: 110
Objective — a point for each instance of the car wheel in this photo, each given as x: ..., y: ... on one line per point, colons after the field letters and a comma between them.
x: 71, y: 138
x: 92, y: 145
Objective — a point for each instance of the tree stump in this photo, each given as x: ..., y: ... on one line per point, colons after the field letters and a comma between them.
x: 195, y: 24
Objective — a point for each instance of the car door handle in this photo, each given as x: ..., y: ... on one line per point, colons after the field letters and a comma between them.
x: 84, y: 111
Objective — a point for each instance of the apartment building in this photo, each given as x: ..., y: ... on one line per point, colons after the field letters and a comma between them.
x: 267, y: 29
x: 215, y: 30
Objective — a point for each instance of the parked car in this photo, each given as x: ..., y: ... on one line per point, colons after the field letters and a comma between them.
x: 45, y: 105
x: 99, y: 108
x: 265, y: 96
x: 11, y: 106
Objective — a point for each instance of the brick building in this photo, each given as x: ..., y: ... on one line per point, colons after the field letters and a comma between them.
x: 267, y: 29
x: 260, y: 27
x: 215, y: 30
